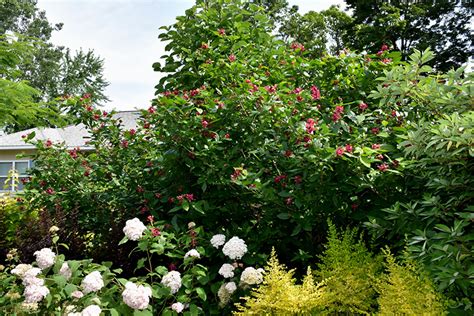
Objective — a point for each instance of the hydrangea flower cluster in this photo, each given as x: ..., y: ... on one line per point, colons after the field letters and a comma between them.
x: 136, y: 296
x: 93, y: 282
x: 35, y: 290
x: 251, y: 276
x: 193, y: 253
x: 235, y: 248
x: 172, y: 280
x: 217, y: 240
x: 134, y: 229
x: 45, y: 258
x: 91, y: 310
x: 225, y: 292
x: 227, y: 270
x: 177, y: 307
x: 65, y: 271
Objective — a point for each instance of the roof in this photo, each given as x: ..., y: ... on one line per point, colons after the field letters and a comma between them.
x: 72, y: 136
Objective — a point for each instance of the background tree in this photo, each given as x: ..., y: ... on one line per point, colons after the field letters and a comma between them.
x: 53, y: 70
x: 18, y: 100
x: 442, y: 26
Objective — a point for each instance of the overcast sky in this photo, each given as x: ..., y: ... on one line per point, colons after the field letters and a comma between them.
x: 125, y: 34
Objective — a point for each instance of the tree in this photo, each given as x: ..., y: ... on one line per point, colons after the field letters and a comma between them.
x: 403, y: 25
x: 18, y: 105
x: 52, y: 70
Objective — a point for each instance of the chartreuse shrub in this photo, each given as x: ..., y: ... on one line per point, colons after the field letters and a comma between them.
x: 405, y: 289
x: 280, y: 295
x: 350, y: 270
x: 12, y: 215
x: 352, y: 280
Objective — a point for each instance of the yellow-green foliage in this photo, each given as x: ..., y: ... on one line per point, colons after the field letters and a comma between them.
x: 11, y: 216
x: 350, y: 270
x: 280, y: 295
x: 405, y: 290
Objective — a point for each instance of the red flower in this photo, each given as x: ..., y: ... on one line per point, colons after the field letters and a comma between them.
x: 315, y: 93
x: 386, y: 60
x: 48, y: 143
x: 124, y: 143
x: 87, y: 173
x: 395, y: 164
x: 23, y: 136
x: 310, y: 126
x: 279, y: 178
x: 288, y: 153
x: 339, y: 151
x: 227, y: 136
x: 339, y: 109
x: 384, y: 47
x: 151, y: 218
x: 375, y: 146
x: 380, y: 52
x: 158, y: 195
x: 349, y: 148
x: 375, y: 130
x: 383, y: 167
x: 297, y: 90
x: 50, y: 191
x: 132, y: 132
x: 363, y: 106
x: 236, y: 174
x: 221, y: 32
x: 271, y: 89
x: 204, y: 123
x: 73, y: 153
x: 289, y: 201
x: 155, y: 232
x: 379, y: 157
x: 140, y: 189
x: 232, y: 58
x: 204, y: 46
x: 298, y: 179
x: 297, y: 46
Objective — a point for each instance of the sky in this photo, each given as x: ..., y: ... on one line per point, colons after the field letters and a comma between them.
x: 125, y: 34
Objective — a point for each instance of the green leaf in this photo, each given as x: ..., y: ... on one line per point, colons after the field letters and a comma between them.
x: 201, y: 293
x: 283, y: 216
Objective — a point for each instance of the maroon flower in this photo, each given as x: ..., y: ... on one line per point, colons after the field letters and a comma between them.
x: 132, y: 132
x: 375, y: 146
x: 383, y: 167
x: 232, y: 58
x: 48, y: 143
x: 155, y: 232
x: 315, y: 93
x: 375, y: 130
x: 124, y: 143
x: 204, y: 123
x: 349, y: 148
x: 221, y: 31
x: 298, y: 179
x: 289, y: 201
x: 310, y: 126
x: 204, y: 46
x: 363, y: 106
x: 271, y: 89
x: 50, y: 191
x: 340, y: 151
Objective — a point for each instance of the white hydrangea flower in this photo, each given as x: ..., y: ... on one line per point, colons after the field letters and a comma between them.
x: 134, y: 229
x: 92, y: 282
x: 35, y: 293
x: 137, y: 297
x: 231, y: 287
x: 21, y: 269
x: 177, y: 307
x: 227, y: 270
x: 172, y: 280
x: 224, y: 294
x: 192, y: 253
x: 29, y: 277
x: 45, y: 258
x: 68, y: 310
x: 251, y: 276
x: 217, y: 240
x: 91, y: 310
x: 235, y: 248
x: 77, y: 294
x: 65, y: 271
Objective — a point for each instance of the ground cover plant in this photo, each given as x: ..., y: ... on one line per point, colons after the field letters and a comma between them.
x: 251, y: 136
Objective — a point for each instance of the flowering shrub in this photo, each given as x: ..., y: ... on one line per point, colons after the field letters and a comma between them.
x: 252, y: 134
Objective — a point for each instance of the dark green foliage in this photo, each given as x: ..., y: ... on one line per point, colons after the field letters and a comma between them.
x: 443, y: 26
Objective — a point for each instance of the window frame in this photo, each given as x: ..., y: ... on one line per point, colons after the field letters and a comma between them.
x: 13, y: 163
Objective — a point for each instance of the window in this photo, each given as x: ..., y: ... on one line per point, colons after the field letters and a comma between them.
x: 20, y: 167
